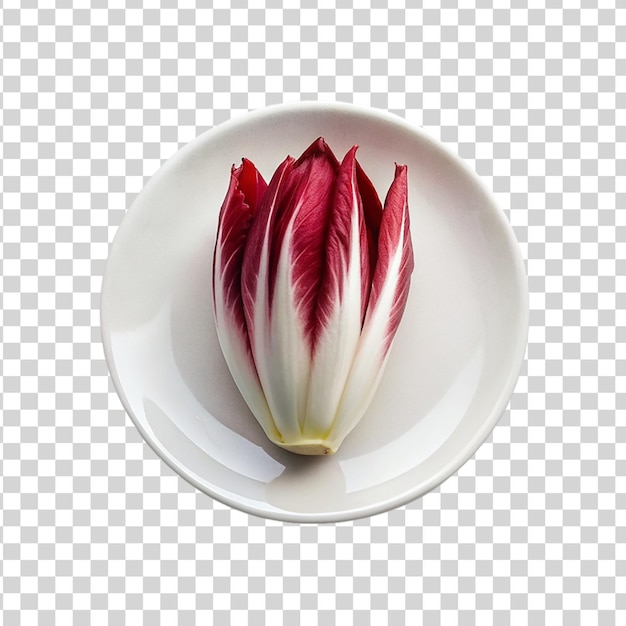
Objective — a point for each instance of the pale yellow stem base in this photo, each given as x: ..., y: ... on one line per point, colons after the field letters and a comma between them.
x: 309, y: 448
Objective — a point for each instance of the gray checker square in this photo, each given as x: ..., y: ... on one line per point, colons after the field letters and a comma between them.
x: 95, y: 529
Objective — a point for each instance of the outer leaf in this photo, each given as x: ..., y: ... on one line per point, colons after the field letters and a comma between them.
x: 245, y: 189
x: 389, y: 293
x: 282, y: 273
x: 341, y: 302
x: 256, y: 296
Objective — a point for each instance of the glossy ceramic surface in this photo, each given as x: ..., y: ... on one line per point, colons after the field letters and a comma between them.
x: 454, y: 363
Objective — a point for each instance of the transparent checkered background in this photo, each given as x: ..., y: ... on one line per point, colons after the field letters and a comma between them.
x: 96, y: 529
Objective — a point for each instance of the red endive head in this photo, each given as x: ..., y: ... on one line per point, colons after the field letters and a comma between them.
x: 311, y: 278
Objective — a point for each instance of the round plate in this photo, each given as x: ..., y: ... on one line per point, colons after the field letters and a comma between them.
x: 452, y: 369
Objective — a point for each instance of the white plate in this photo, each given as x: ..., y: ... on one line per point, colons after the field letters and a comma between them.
x: 454, y: 363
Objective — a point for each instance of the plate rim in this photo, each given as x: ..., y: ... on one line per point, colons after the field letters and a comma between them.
x: 487, y: 425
